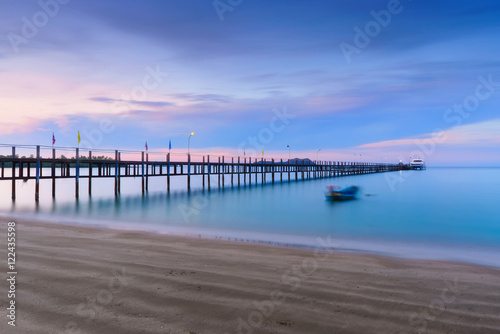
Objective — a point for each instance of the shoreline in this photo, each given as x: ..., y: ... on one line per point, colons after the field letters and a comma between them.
x: 101, y: 280
x: 399, y: 250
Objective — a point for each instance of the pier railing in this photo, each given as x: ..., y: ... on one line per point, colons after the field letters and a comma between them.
x: 23, y: 162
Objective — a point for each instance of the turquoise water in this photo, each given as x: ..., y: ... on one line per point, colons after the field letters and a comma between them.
x: 440, y: 213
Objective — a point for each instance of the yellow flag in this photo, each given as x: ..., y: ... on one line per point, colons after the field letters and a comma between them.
x: 262, y: 152
x: 79, y: 140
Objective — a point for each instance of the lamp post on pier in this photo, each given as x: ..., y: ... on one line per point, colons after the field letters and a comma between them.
x: 189, y: 139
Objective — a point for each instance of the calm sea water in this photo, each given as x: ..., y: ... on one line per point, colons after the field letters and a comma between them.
x: 440, y: 213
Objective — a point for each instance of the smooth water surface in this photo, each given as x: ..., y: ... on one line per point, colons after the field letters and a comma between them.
x: 443, y: 213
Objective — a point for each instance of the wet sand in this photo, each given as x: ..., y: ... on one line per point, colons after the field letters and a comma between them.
x: 74, y: 279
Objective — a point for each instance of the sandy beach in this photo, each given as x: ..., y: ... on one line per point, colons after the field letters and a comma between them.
x: 74, y: 279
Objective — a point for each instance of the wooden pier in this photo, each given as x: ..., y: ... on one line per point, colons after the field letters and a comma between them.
x: 242, y: 171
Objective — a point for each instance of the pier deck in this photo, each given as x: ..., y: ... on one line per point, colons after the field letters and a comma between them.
x: 241, y: 170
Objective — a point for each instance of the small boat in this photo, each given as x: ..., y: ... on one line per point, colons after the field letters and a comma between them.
x: 417, y: 164
x: 337, y: 194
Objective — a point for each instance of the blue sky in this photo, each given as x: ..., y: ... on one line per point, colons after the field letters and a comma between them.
x: 89, y: 67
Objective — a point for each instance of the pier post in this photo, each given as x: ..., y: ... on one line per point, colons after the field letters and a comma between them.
x: 208, y: 171
x: 256, y: 171
x: 249, y: 171
x: 77, y: 178
x: 90, y: 173
x: 281, y: 171
x: 263, y: 177
x: 218, y: 171
x: 203, y: 173
x: 37, y: 186
x: 189, y: 173
x: 168, y: 172
x: 239, y: 171
x: 13, y: 172
x: 116, y: 173
x: 223, y: 171
x: 147, y: 172
x: 272, y: 170
x: 53, y: 173
x: 288, y: 169
x: 143, y: 176
x: 232, y: 170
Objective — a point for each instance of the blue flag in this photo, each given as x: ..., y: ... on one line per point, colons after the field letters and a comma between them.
x: 169, y: 144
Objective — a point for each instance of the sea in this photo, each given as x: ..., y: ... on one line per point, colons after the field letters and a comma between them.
x: 438, y: 213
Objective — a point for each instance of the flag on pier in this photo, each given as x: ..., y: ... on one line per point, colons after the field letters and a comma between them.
x: 53, y: 139
x: 146, y: 146
x: 262, y: 152
x: 79, y: 139
x: 169, y: 144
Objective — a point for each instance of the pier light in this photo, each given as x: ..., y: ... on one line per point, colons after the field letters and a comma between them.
x: 189, y: 138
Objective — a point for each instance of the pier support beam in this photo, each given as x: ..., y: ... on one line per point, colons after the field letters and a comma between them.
x: 117, y: 173
x: 272, y: 170
x: 218, y: 172
x: 143, y: 174
x: 53, y: 173
x: 189, y: 173
x: 13, y: 172
x: 77, y: 177
x: 208, y: 171
x: 37, y: 185
x: 90, y: 173
x: 147, y: 172
x: 256, y: 172
x: 223, y: 171
x: 168, y: 172
x: 249, y: 171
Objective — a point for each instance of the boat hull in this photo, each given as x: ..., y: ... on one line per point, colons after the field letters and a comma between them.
x: 343, y: 194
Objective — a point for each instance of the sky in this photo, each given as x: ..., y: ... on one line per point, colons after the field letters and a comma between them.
x: 334, y: 80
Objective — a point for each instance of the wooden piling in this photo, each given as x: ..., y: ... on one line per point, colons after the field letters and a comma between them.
x: 53, y: 172
x: 13, y: 172
x: 37, y: 185
x: 147, y: 172
x: 272, y: 170
x: 90, y: 173
x: 218, y: 172
x: 117, y: 172
x: 77, y: 175
x: 168, y: 172
x: 256, y: 171
x: 189, y: 173
x: 249, y: 171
